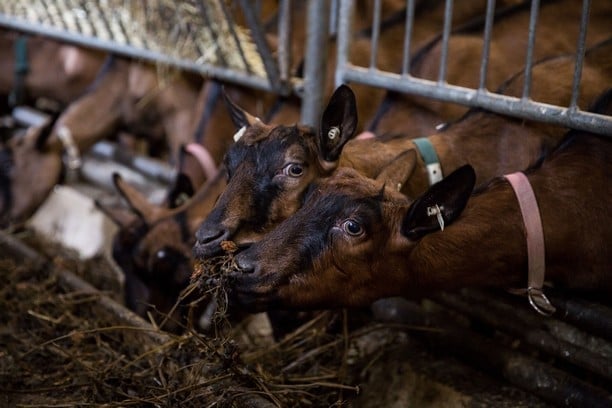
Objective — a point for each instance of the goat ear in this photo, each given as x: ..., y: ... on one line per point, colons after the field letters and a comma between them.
x: 137, y: 202
x: 338, y: 123
x: 181, y: 191
x: 240, y: 117
x: 450, y: 196
x: 398, y: 171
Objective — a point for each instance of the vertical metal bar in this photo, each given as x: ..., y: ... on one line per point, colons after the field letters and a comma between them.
x: 448, y: 22
x: 315, y: 62
x: 333, y: 19
x: 284, y: 39
x: 408, y: 37
x: 234, y: 34
x: 375, y: 34
x: 343, y: 39
x: 533, y: 20
x: 580, y: 49
x: 262, y: 46
x: 487, y: 44
x: 204, y: 13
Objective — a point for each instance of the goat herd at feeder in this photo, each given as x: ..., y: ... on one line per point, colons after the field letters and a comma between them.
x: 349, y: 212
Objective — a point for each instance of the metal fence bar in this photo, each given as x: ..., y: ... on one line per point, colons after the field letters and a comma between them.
x: 343, y: 39
x: 503, y: 104
x: 408, y: 37
x: 533, y: 21
x: 488, y: 30
x: 262, y: 46
x: 221, y: 73
x: 375, y: 34
x: 284, y: 39
x: 315, y: 62
x: 448, y: 22
x: 580, y: 50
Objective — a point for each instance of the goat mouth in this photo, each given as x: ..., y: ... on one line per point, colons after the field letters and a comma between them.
x: 250, y: 298
x: 210, y: 248
x: 252, y: 291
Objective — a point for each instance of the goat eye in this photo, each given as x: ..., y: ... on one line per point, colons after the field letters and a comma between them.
x: 293, y: 170
x: 352, y: 227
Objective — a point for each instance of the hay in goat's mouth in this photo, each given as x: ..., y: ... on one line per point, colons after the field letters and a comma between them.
x: 211, y: 278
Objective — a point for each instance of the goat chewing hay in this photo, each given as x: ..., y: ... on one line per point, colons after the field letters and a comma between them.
x: 210, y: 278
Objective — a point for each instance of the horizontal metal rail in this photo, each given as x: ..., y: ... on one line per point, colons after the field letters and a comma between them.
x: 209, y: 70
x: 507, y: 105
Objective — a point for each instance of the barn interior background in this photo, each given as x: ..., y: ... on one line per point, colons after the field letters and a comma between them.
x: 67, y: 336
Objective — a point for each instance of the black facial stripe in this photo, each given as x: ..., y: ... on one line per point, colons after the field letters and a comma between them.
x: 257, y: 165
x: 309, y: 229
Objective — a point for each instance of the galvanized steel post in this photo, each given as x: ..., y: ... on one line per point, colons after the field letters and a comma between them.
x: 316, y: 61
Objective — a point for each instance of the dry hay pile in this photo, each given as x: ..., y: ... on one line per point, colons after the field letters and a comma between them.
x: 204, y: 32
x: 60, y: 348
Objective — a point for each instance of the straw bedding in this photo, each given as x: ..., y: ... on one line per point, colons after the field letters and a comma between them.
x: 60, y: 348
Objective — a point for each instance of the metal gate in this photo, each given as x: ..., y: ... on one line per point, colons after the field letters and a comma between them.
x: 523, y: 107
x: 106, y: 25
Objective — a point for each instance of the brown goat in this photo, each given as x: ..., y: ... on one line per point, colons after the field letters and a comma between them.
x: 357, y: 239
x: 55, y: 70
x: 153, y: 246
x: 129, y: 94
x: 271, y: 167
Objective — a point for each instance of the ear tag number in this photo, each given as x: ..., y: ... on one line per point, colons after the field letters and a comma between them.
x: 333, y: 133
x: 437, y: 211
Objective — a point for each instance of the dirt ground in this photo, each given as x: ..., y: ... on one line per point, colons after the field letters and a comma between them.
x: 62, y: 346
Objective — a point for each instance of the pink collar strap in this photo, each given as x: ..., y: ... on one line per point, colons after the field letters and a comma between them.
x: 535, y: 244
x: 365, y: 135
x: 204, y: 158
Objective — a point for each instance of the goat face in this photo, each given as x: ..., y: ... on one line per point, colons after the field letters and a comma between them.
x: 153, y: 244
x: 265, y: 185
x: 327, y: 253
x: 269, y: 169
x: 349, y: 245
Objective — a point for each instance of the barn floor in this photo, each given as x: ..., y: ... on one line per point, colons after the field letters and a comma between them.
x: 65, y: 343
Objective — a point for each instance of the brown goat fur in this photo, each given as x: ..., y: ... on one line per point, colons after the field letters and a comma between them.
x: 357, y: 239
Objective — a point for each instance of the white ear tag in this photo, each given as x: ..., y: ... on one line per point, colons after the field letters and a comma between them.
x: 333, y: 133
x: 239, y: 133
x: 437, y: 211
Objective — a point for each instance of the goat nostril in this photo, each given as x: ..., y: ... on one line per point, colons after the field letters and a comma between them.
x: 206, y: 236
x: 244, y: 264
